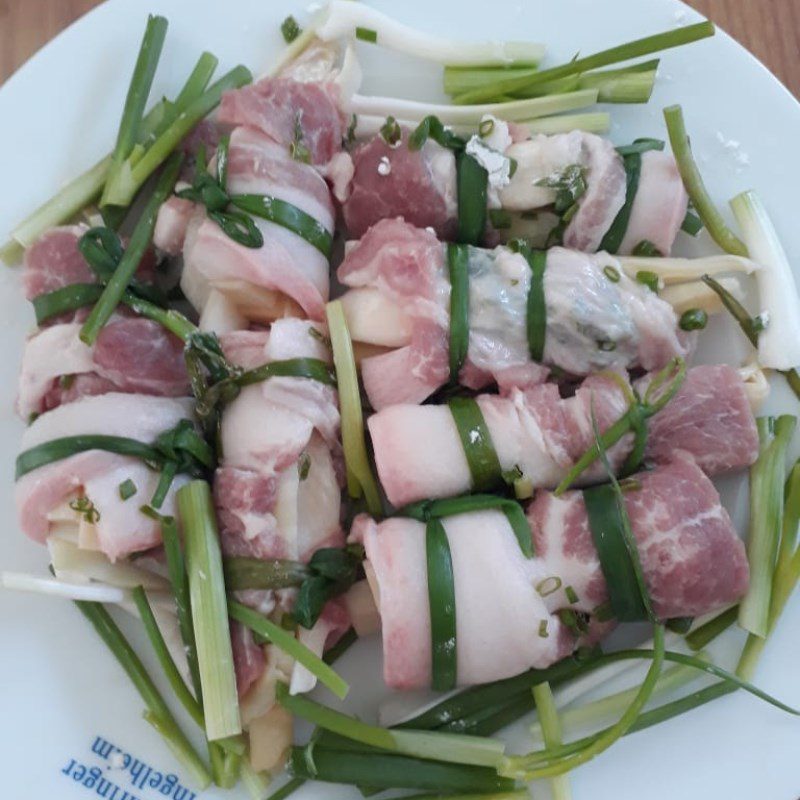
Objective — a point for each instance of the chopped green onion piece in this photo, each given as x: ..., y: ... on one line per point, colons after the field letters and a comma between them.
x: 286, y: 641
x: 549, y: 585
x: 640, y: 47
x: 139, y: 241
x: 209, y: 611
x: 290, y: 29
x: 367, y: 35
x: 571, y: 595
x: 359, y: 472
x: 767, y: 478
x: 472, y: 189
x: 138, y: 92
x: 390, y: 131
x: 693, y: 319
x: 458, y: 269
x: 693, y: 181
x: 649, y: 279
x: 442, y: 606
x: 646, y: 249
x: 692, y: 224
x: 640, y: 146
x: 429, y: 745
x: 110, y: 633
x: 476, y: 441
x: 612, y: 273
x: 127, y: 489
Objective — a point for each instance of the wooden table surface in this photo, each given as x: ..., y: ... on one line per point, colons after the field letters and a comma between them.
x: 769, y: 28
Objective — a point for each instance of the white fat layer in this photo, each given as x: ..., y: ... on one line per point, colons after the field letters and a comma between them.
x: 220, y: 314
x: 442, y: 165
x: 496, y: 165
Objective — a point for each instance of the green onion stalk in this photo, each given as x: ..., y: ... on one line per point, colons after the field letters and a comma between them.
x: 551, y: 732
x: 695, y: 187
x: 138, y: 92
x: 767, y: 478
x: 209, y: 611
x: 139, y: 242
x: 158, y: 713
x: 86, y: 188
x: 532, y: 78
x: 663, y: 387
x: 360, y: 478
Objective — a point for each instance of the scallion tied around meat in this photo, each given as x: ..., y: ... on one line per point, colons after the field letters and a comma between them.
x: 178, y: 450
x: 472, y: 180
x: 237, y: 223
x: 662, y: 388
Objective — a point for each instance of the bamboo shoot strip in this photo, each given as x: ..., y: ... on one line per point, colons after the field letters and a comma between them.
x: 286, y: 641
x: 695, y: 187
x: 105, y: 626
x: 138, y: 92
x: 81, y: 191
x: 359, y: 471
x: 135, y: 172
x: 209, y: 611
x: 614, y: 55
x: 139, y: 242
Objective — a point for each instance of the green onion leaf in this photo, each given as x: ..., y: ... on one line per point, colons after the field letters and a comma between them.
x: 536, y: 314
x: 209, y: 611
x: 367, y: 35
x: 632, y: 161
x: 105, y: 626
x: 458, y: 268
x: 473, y: 186
x: 693, y: 319
x: 253, y: 573
x: 442, y: 604
x: 476, y: 441
x: 286, y: 641
x: 693, y: 181
x: 288, y: 216
x: 692, y: 224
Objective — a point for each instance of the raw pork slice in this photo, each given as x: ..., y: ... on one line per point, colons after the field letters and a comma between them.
x: 395, y: 181
x: 419, y: 454
x: 54, y: 261
x: 131, y: 354
x: 289, y: 112
x: 597, y: 317
x: 693, y: 564
x: 121, y: 528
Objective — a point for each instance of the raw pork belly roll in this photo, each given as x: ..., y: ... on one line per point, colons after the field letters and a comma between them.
x: 131, y: 354
x: 277, y: 489
x: 420, y: 185
x: 419, y: 454
x: 287, y: 274
x: 692, y: 560
x: 43, y: 494
x: 596, y: 317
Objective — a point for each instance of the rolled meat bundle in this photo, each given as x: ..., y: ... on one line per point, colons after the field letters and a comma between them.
x: 277, y: 488
x: 593, y: 316
x: 538, y: 436
x: 507, y: 606
x: 87, y: 487
x: 391, y: 179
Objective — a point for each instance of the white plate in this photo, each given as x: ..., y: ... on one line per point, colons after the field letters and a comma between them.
x: 61, y: 691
